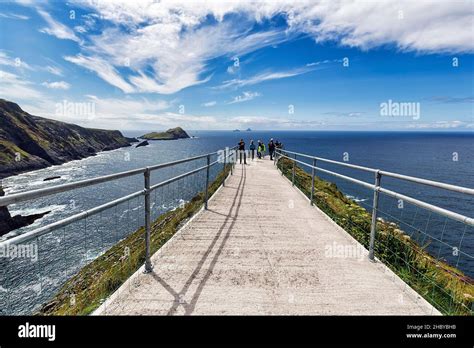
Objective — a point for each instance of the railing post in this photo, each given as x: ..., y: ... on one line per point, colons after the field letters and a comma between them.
x: 282, y: 166
x: 207, y: 181
x: 232, y: 162
x: 373, y: 226
x: 312, y: 179
x: 294, y: 169
x: 225, y: 160
x: 148, y: 265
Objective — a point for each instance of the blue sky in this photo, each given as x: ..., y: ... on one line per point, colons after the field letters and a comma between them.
x: 323, y: 65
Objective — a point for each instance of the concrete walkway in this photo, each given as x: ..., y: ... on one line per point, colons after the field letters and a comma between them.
x: 262, y: 249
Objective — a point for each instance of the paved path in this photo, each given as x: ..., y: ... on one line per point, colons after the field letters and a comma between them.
x: 262, y: 249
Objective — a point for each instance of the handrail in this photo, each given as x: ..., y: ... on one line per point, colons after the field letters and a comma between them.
x: 29, y: 195
x: 39, y: 193
x: 377, y: 188
x: 453, y: 215
x: 417, y: 180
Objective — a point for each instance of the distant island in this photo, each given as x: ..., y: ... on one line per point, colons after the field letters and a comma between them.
x: 248, y: 130
x: 236, y: 130
x: 170, y: 134
x: 30, y: 142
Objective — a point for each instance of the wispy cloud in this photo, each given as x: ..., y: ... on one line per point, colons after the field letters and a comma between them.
x: 452, y: 100
x: 344, y: 114
x: 16, y: 62
x: 168, y: 46
x: 57, y: 85
x: 246, y: 96
x: 54, y: 70
x: 441, y: 125
x: 266, y: 76
x: 56, y: 28
x: 14, y: 87
x: 103, y: 69
x: 326, y: 61
x: 209, y: 104
x: 14, y: 16
x: 262, y: 122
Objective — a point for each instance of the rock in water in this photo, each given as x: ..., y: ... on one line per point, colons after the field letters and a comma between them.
x: 52, y: 178
x: 143, y: 143
x: 170, y: 134
x: 9, y: 223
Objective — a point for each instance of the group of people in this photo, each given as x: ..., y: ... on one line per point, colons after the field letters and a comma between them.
x: 259, y: 148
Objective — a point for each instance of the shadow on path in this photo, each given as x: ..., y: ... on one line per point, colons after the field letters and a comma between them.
x: 179, y: 296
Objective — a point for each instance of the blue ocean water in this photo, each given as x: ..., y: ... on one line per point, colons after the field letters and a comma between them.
x: 445, y: 157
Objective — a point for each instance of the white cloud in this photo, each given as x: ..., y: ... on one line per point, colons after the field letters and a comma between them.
x: 266, y: 76
x: 174, y: 57
x: 246, y: 96
x: 209, y: 104
x: 57, y: 85
x: 103, y: 69
x: 169, y: 44
x: 263, y: 122
x: 326, y: 61
x: 421, y: 26
x: 441, y: 125
x: 14, y: 16
x: 16, y: 62
x: 54, y: 70
x: 232, y: 69
x: 142, y: 113
x: 344, y: 114
x: 13, y: 87
x: 56, y: 28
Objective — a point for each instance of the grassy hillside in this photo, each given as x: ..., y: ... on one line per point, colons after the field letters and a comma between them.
x: 30, y: 142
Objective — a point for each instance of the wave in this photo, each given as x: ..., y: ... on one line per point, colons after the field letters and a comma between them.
x: 38, y: 210
x: 356, y: 199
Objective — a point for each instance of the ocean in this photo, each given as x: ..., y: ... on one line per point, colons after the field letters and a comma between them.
x: 442, y: 156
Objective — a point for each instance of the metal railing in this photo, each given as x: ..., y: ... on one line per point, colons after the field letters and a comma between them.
x: 377, y: 188
x: 222, y: 157
x: 379, y: 235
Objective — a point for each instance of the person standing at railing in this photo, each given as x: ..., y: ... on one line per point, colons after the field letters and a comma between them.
x: 271, y: 148
x: 252, y: 149
x: 260, y: 150
x: 242, y: 151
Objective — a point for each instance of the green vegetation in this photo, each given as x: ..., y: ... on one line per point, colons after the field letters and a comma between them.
x: 8, y: 151
x: 445, y: 287
x: 170, y: 134
x: 108, y: 272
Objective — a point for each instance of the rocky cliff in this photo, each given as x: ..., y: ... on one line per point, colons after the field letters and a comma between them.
x: 30, y: 142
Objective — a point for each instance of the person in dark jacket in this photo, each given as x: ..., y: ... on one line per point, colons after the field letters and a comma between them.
x: 271, y: 148
x: 242, y: 151
x: 252, y: 149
